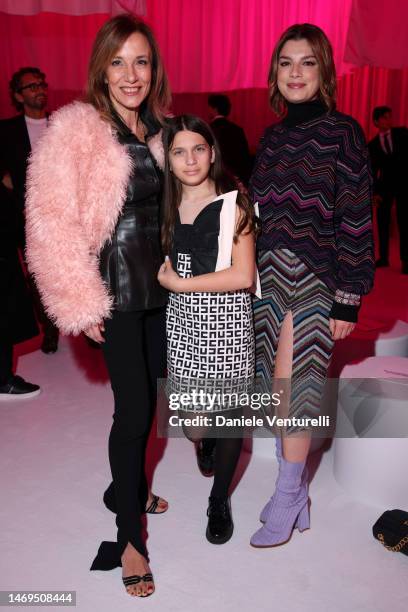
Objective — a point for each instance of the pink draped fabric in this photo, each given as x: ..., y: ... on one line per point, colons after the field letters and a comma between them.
x: 72, y: 7
x: 58, y: 44
x: 378, y: 33
x: 213, y: 44
x: 207, y: 45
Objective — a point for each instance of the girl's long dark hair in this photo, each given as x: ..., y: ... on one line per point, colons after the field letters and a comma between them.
x: 222, y: 180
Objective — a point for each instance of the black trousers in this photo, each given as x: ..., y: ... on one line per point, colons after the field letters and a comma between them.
x: 384, y: 219
x: 135, y: 355
x: 6, y: 360
x: 49, y: 329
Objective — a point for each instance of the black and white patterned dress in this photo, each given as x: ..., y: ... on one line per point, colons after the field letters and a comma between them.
x: 210, y: 337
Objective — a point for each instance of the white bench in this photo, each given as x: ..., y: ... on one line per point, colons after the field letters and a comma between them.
x: 369, y: 458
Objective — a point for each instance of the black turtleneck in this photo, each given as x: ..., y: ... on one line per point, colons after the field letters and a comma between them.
x: 303, y: 111
x: 285, y: 218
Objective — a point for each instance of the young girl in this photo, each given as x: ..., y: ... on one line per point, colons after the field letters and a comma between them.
x: 208, y: 235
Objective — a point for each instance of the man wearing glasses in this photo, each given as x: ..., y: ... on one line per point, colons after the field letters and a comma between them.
x: 18, y: 136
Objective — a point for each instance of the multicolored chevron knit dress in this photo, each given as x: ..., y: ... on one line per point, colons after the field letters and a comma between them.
x: 312, y: 182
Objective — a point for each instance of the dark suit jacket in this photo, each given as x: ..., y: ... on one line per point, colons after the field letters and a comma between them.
x: 234, y: 147
x: 390, y: 171
x: 17, y: 319
x: 15, y: 149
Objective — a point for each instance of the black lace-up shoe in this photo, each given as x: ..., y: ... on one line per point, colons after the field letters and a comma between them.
x: 220, y: 526
x: 18, y: 388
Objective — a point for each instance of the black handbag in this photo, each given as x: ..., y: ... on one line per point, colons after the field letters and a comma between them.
x: 391, y: 530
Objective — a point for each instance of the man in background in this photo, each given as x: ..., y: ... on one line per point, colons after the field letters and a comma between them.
x: 231, y: 138
x: 18, y: 136
x: 389, y: 159
x: 17, y: 319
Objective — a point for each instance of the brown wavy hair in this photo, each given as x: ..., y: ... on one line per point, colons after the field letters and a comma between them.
x: 112, y: 35
x: 223, y: 182
x: 323, y: 51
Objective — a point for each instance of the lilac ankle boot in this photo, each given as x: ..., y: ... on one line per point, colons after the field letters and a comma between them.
x: 304, y: 482
x: 288, y: 507
x: 278, y: 450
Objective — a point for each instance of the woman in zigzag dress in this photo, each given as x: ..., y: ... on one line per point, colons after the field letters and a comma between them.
x: 315, y: 253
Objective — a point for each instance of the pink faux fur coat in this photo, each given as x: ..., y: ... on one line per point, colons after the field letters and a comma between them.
x: 76, y: 187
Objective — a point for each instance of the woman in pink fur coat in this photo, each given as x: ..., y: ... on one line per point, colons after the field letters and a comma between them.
x: 93, y: 245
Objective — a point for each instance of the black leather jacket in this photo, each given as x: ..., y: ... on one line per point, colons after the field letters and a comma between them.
x: 129, y: 262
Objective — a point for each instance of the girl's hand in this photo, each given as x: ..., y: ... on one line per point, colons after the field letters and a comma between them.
x: 340, y: 329
x: 95, y: 332
x: 168, y: 277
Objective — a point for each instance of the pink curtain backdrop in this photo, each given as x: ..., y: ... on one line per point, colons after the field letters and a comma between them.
x: 378, y: 33
x: 228, y: 43
x: 209, y: 45
x: 72, y: 7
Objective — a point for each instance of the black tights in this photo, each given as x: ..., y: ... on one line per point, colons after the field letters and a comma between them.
x: 134, y: 352
x: 227, y: 450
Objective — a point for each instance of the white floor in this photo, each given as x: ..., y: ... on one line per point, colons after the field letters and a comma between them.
x: 55, y: 468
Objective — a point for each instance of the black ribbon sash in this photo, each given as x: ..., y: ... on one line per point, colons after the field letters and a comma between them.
x: 199, y: 239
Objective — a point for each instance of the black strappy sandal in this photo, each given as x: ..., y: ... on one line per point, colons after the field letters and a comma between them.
x: 110, y: 502
x: 132, y: 580
x: 154, y: 505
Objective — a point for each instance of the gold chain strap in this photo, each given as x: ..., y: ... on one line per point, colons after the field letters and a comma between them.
x: 398, y: 547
